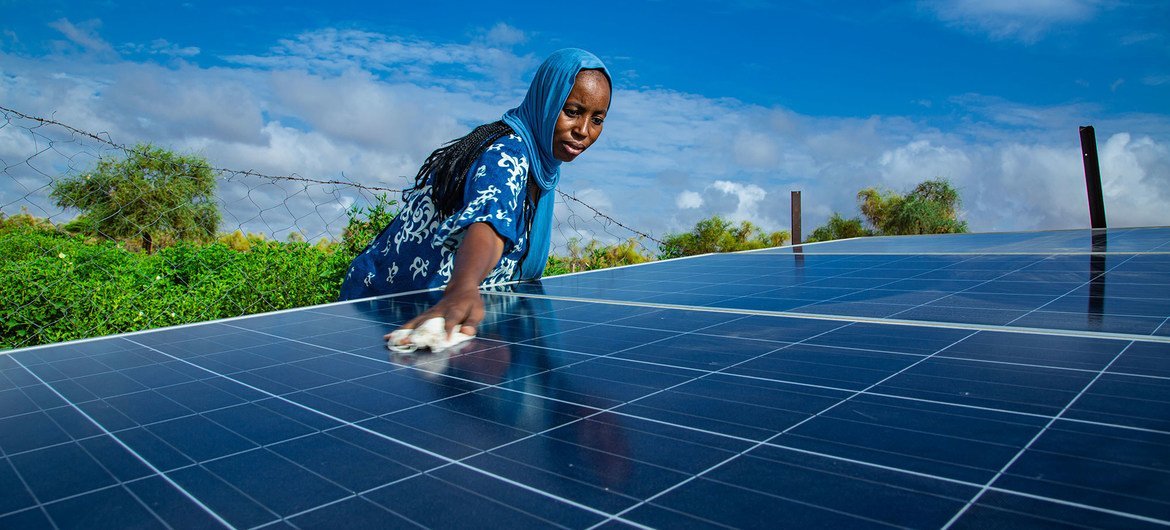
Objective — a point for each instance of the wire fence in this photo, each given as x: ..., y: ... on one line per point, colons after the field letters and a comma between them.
x: 283, y: 239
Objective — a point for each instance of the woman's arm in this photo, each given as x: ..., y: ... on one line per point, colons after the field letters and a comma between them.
x: 461, y: 304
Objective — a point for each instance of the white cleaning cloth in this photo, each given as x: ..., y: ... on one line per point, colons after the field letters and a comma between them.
x: 428, y: 335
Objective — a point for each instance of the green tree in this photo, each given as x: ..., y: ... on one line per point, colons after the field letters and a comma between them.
x: 931, y: 208
x: 152, y: 192
x: 839, y: 227
x: 716, y: 234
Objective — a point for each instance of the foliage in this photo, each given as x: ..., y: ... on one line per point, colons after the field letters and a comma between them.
x: 24, y: 219
x: 241, y: 242
x: 839, y: 227
x: 152, y: 192
x: 59, y: 287
x: 595, y: 255
x: 365, y: 224
x: 716, y: 234
x: 931, y: 208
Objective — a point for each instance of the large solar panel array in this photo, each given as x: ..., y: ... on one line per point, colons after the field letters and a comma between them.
x: 983, y: 380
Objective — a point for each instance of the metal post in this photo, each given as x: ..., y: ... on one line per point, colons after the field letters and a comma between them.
x: 1092, y: 177
x: 796, y: 218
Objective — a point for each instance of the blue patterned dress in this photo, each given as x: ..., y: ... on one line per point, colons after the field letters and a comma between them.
x: 417, y: 250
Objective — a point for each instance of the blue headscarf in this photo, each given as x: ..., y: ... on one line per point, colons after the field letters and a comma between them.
x: 535, y: 121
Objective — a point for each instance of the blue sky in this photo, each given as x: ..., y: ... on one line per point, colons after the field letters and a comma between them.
x: 720, y: 107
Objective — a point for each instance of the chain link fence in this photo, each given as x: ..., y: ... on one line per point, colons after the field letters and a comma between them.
x: 282, y: 241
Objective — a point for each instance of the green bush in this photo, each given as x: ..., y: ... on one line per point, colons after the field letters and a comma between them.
x: 59, y: 287
x: 838, y: 227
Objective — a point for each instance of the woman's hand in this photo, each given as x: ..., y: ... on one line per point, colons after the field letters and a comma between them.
x: 462, y: 309
x: 461, y: 305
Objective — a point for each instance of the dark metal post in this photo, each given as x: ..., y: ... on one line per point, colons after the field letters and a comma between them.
x: 1092, y: 177
x: 796, y: 218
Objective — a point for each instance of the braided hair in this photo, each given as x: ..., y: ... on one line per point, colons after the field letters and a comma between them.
x: 451, y: 162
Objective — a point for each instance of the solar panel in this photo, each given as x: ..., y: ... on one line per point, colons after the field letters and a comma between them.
x: 1015, y: 380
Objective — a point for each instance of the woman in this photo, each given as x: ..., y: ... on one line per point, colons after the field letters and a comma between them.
x: 481, y: 207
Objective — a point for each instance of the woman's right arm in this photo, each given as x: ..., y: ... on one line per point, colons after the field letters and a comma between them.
x: 462, y: 305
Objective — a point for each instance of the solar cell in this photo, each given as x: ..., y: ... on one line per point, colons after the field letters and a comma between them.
x: 920, y: 382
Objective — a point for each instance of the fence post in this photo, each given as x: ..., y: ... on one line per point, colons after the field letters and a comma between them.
x: 1092, y: 177
x: 796, y: 218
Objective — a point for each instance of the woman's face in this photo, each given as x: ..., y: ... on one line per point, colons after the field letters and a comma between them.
x: 580, y: 120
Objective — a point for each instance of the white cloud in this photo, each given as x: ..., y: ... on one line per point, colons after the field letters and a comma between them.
x: 909, y: 164
x: 594, y: 197
x: 1135, y: 175
x: 504, y: 35
x: 748, y: 198
x: 1025, y: 21
x: 688, y: 200
x: 1156, y: 80
x: 163, y: 47
x: 756, y: 150
x: 334, y: 51
x: 84, y: 34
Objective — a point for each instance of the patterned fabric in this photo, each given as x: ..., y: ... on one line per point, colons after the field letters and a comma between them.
x: 417, y: 250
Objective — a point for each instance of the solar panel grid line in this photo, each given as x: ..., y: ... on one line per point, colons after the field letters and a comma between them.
x: 1056, y: 242
x: 1018, y: 364
x: 939, y: 355
x: 1033, y: 440
x: 1013, y: 492
x: 277, y: 517
x: 1159, y: 309
x: 1067, y: 293
x: 866, y: 289
x: 1164, y: 325
x: 116, y: 438
x: 361, y: 495
x: 468, y: 456
x: 872, y: 320
x: 612, y: 518
x: 644, y: 300
x: 412, y: 447
x: 616, y: 354
x: 769, y: 439
x: 1132, y: 517
x: 144, y: 461
x: 704, y: 375
x: 819, y: 248
x: 491, y: 288
x: 40, y: 506
x: 1005, y: 274
x: 894, y: 315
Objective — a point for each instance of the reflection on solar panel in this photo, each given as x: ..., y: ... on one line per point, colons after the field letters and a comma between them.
x: 991, y: 380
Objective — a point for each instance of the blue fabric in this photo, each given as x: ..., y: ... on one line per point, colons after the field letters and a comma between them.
x: 417, y: 250
x: 535, y: 121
